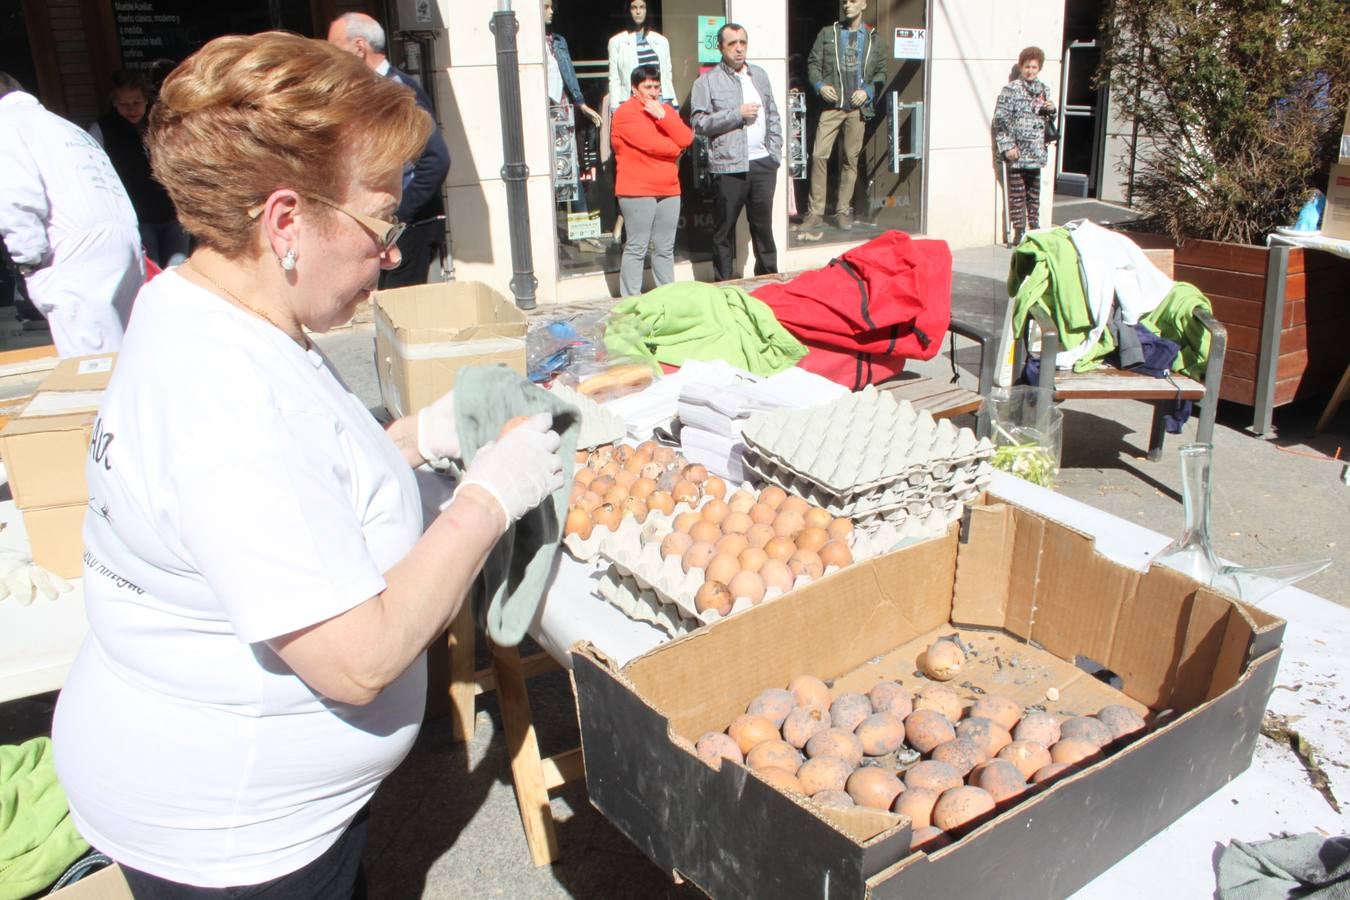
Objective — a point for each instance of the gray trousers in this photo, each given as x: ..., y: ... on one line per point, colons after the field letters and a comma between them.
x: 648, y: 220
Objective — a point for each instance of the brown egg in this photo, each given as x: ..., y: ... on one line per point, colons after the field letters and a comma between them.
x: 714, y: 511
x: 714, y: 487
x: 780, y: 548
x: 685, y: 521
x: 750, y: 731
x: 1121, y: 720
x: 741, y: 501
x: 773, y: 704
x: 824, y: 773
x: 998, y: 708
x: 1072, y: 751
x: 840, y: 529
x: 1002, y: 779
x: 942, y: 660
x: 926, y: 729
x: 880, y: 733
x: 616, y: 495
x: 648, y: 447
x: 775, y: 573
x: 752, y: 559
x: 705, y: 531
x: 602, y: 483
x: 961, y: 806
x: 962, y: 754
x: 788, y: 524
x: 891, y: 697
x: 699, y: 554
x: 581, y: 457
x: 793, y: 503
x: 714, y: 746
x: 990, y: 736
x: 622, y: 452
x: 732, y: 543
x: 849, y: 709
x: 1052, y: 772
x: 723, y: 567
x: 774, y: 753
x: 634, y: 507
x: 609, y: 469
x: 575, y: 494
x: 578, y: 523
x: 816, y: 517
x: 642, y: 488
x: 1085, y: 728
x: 663, y: 454
x: 873, y: 786
x: 773, y: 496
x: 635, y: 463
x: 660, y: 501
x: 781, y: 779
x: 811, y: 692
x: 762, y: 514
x: 836, y: 554
x: 675, y: 544
x: 806, y: 562
x: 804, y: 723
x: 625, y: 479
x: 941, y: 698
x: 812, y: 539
x: 584, y: 476
x: 713, y: 596
x: 606, y: 515
x: 1028, y: 756
x: 916, y: 804
x: 1041, y: 727
x: 932, y: 774
x: 696, y: 473
x: 759, y: 535
x: 736, y: 523
x: 833, y: 799
x: 928, y: 839
x: 652, y: 470
x: 836, y: 742
x: 748, y: 585
x: 685, y: 492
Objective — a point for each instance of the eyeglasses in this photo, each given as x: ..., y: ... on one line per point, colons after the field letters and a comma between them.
x: 386, y: 232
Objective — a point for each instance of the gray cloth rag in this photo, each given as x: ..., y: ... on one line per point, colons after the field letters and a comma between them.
x: 508, y: 591
x: 1302, y: 865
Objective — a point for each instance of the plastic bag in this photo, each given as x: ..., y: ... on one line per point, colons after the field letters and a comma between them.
x: 577, y: 350
x: 1028, y: 436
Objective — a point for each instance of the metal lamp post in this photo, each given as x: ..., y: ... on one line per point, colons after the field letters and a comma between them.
x: 514, y: 171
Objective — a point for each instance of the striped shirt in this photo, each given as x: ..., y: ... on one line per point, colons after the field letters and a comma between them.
x: 646, y: 54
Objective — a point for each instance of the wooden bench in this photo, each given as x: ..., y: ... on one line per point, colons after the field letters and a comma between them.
x: 1117, y: 384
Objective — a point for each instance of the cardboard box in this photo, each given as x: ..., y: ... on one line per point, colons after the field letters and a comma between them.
x: 1336, y: 217
x: 105, y: 884
x: 45, y: 446
x: 56, y: 538
x: 424, y: 335
x: 1205, y: 665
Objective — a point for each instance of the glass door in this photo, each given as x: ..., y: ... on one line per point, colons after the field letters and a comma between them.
x: 1077, y: 168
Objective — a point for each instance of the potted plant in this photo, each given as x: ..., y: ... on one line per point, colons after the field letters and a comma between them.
x: 1235, y: 109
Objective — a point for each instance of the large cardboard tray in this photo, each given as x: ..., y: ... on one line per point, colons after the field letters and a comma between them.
x: 1012, y: 582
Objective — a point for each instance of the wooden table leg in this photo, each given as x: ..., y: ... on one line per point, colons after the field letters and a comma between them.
x: 1337, y: 397
x: 526, y: 766
x: 463, y: 680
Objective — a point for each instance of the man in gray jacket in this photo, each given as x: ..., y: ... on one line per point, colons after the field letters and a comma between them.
x: 732, y: 105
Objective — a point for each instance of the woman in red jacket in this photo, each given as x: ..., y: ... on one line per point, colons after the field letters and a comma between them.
x: 648, y: 138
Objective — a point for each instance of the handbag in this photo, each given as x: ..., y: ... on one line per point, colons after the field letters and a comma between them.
x: 1052, y: 128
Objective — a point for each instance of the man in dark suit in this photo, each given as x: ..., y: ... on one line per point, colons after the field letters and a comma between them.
x: 422, y: 207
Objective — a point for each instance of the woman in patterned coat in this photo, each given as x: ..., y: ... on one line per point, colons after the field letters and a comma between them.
x: 1019, y: 134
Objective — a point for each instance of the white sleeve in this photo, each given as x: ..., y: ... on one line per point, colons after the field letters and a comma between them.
x: 667, y: 75
x: 619, y: 89
x: 267, y: 514
x: 24, y: 207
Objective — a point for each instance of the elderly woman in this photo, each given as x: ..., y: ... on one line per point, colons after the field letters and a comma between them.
x: 259, y: 587
x: 1019, y: 134
x: 648, y: 138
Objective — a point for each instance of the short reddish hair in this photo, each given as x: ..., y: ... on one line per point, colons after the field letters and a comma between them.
x: 248, y: 114
x: 1035, y: 53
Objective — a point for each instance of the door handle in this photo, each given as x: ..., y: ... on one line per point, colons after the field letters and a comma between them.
x: 915, y: 130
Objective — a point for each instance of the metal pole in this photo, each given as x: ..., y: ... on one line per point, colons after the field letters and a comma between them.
x: 514, y: 171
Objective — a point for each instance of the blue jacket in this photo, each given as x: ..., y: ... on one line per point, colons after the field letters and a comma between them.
x: 563, y: 55
x: 422, y: 193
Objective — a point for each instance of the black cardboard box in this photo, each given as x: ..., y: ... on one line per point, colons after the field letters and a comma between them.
x: 1204, y: 664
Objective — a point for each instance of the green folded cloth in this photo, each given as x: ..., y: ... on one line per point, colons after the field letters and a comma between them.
x: 1175, y: 320
x: 511, y: 586
x: 1045, y: 271
x: 38, y: 840
x: 693, y: 320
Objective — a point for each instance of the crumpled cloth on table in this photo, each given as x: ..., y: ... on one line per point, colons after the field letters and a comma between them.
x: 1302, y: 865
x: 38, y: 840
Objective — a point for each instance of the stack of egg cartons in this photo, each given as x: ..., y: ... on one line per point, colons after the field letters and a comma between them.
x: 872, y: 458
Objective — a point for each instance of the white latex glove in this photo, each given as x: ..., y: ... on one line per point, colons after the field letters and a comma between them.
x: 519, y: 470
x: 25, y: 582
x: 437, y: 438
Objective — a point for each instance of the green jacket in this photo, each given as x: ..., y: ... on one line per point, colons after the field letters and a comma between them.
x: 824, y: 66
x: 1175, y: 320
x: 38, y: 840
x: 1045, y: 272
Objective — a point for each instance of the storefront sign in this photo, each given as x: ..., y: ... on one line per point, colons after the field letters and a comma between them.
x: 910, y: 43
x: 708, y: 26
x: 146, y: 33
x: 422, y: 12
x: 582, y: 225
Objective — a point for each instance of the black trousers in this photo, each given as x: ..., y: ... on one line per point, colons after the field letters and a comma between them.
x: 753, y: 192
x: 337, y: 874
x: 419, y: 245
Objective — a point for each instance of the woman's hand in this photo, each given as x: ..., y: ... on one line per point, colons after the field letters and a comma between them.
x: 654, y: 109
x: 520, y: 469
x: 1011, y: 155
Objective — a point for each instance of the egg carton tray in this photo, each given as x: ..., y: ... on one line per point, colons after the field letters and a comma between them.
x: 602, y: 538
x: 956, y: 482
x: 861, y: 441
x: 648, y: 588
x: 599, y: 426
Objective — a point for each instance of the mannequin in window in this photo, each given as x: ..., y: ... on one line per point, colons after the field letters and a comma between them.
x: 638, y: 45
x: 564, y: 90
x: 846, y: 68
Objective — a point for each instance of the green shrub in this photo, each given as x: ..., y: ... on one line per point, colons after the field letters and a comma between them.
x: 1238, y: 106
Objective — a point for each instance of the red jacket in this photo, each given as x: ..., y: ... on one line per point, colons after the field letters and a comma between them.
x: 868, y: 311
x: 647, y: 150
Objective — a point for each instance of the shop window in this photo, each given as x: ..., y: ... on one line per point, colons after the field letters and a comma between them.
x: 155, y: 35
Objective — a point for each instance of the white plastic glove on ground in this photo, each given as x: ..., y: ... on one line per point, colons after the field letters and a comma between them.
x: 23, y: 581
x: 437, y: 438
x: 519, y: 470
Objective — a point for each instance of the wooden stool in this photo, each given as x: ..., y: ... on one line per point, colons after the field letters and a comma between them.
x: 532, y: 774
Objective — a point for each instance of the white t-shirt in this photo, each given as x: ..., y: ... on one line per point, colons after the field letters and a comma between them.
x: 756, y: 130
x: 238, y: 492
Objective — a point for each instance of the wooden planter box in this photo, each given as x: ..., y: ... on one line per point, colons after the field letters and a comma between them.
x: 1288, y: 316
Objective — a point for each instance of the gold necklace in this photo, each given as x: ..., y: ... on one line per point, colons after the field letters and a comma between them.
x: 248, y: 306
